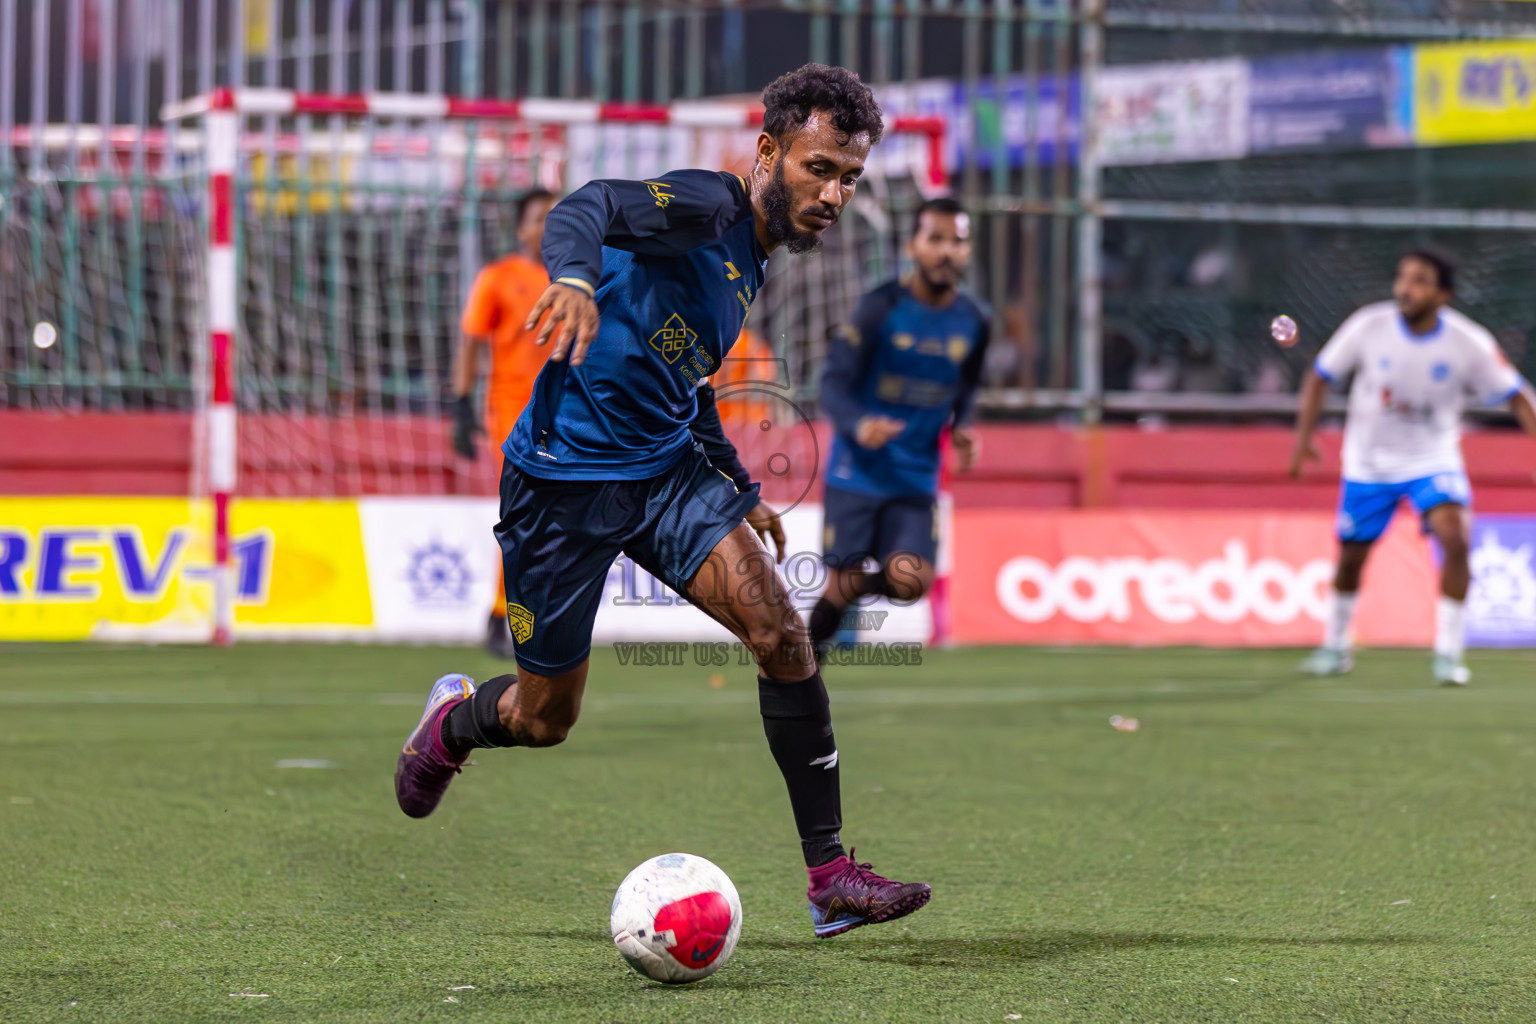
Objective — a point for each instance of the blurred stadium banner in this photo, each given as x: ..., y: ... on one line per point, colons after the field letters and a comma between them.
x: 1219, y: 579
x: 419, y: 570
x: 1350, y: 99
x: 1166, y: 112
x: 1474, y: 92
x: 384, y: 568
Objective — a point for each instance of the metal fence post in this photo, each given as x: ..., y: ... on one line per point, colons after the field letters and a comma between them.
x: 469, y: 85
x: 1089, y: 225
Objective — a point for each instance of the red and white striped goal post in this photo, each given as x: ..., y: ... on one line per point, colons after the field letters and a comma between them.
x: 422, y: 106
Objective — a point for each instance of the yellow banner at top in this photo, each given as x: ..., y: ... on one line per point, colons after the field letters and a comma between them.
x: 1474, y: 92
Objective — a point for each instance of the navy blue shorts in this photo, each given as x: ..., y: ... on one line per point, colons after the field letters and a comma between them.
x: 860, y: 526
x: 559, y: 537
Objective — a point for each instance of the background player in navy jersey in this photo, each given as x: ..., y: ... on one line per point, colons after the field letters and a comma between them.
x: 621, y: 450
x: 906, y: 369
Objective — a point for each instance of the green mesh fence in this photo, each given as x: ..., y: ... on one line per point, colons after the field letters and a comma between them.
x: 111, y: 266
x: 1188, y: 306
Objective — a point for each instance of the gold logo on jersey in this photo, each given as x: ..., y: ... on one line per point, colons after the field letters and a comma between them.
x: 521, y: 621
x: 731, y: 273
x: 959, y: 345
x: 659, y: 192
x: 903, y: 341
x: 673, y: 339
x: 745, y: 298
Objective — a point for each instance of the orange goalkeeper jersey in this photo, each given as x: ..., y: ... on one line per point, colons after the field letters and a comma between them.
x: 498, y: 306
x: 750, y: 361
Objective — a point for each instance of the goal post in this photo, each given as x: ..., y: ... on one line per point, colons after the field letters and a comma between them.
x: 342, y: 232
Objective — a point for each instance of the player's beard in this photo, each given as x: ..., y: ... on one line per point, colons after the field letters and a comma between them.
x: 1414, y: 312
x: 777, y: 203
x: 942, y: 286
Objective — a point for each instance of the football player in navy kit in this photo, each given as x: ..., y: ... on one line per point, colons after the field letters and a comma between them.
x: 903, y: 371
x: 621, y: 450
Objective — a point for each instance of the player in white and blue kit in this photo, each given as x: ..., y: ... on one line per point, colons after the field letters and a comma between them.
x: 1411, y: 366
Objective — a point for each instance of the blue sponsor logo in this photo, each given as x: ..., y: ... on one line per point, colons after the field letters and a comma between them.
x: 69, y: 564
x: 439, y: 576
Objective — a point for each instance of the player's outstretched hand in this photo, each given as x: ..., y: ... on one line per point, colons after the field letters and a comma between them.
x: 873, y: 432
x: 572, y: 322
x: 967, y: 446
x: 1304, y: 453
x: 766, y: 522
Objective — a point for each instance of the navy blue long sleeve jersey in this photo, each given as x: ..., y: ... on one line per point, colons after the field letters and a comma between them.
x: 911, y: 362
x: 674, y: 264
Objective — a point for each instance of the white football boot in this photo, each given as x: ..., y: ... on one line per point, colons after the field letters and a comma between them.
x: 1325, y: 661
x: 1451, y: 672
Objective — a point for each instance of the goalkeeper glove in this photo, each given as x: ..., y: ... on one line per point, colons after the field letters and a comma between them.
x: 465, y: 427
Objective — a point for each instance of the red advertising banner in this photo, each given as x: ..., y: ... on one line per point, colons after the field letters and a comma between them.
x: 1224, y: 579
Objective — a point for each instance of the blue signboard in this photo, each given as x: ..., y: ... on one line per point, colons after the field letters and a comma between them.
x: 1350, y: 99
x: 1343, y: 100
x: 981, y: 124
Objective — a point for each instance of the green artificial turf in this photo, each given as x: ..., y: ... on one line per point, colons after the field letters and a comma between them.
x: 1265, y: 848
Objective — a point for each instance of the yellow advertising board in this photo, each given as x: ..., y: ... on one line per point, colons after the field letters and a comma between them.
x: 72, y: 566
x: 299, y: 563
x: 1474, y: 92
x: 138, y: 568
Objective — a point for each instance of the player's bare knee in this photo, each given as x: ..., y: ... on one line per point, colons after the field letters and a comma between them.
x: 789, y: 663
x: 907, y: 577
x: 781, y: 644
x: 762, y: 634
x: 909, y: 585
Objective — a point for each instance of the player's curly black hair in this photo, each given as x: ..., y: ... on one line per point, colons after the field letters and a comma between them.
x: 939, y: 204
x: 1445, y: 270
x: 537, y: 195
x: 791, y: 98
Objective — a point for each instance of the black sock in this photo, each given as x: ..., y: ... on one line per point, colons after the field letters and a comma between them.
x: 798, y: 722
x: 476, y: 723
x: 825, y: 618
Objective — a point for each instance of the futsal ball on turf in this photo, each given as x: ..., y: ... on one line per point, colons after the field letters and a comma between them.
x: 676, y: 918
